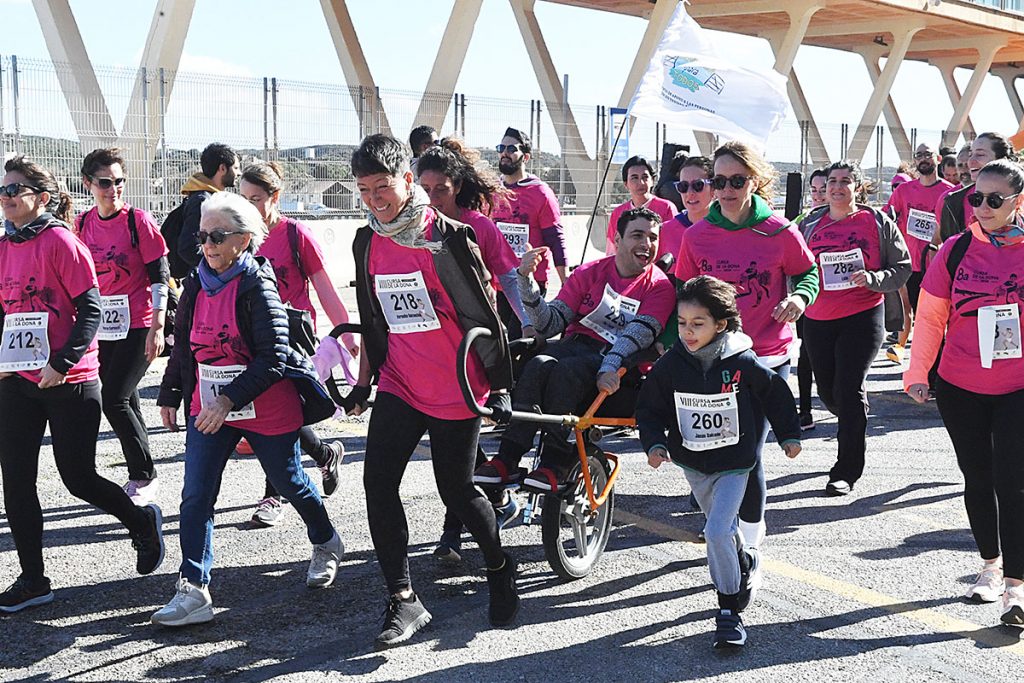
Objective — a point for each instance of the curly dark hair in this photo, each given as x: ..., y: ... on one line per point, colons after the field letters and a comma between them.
x: 718, y: 296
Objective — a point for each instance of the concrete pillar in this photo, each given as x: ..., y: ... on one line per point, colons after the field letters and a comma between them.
x: 451, y: 54
x: 986, y: 55
x: 353, y: 64
x: 892, y: 117
x: 656, y: 25
x: 1009, y: 75
x: 946, y: 67
x: 800, y: 13
x: 785, y: 54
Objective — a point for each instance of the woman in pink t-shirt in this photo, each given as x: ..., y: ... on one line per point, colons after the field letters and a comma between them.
x: 298, y: 261
x: 861, y: 255
x: 639, y: 177
x: 970, y: 295
x: 133, y: 275
x: 49, y: 313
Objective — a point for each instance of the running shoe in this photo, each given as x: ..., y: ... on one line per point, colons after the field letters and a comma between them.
x: 402, y: 618
x: 988, y: 586
x: 893, y: 337
x: 729, y: 631
x: 191, y: 604
x: 329, y: 470
x: 142, y: 491
x: 449, y: 546
x: 751, y: 579
x: 244, y: 447
x: 1013, y: 606
x: 269, y: 512
x: 838, y: 488
x: 149, y: 543
x: 806, y: 422
x: 545, y: 479
x: 495, y: 472
x: 895, y: 353
x: 504, y: 603
x: 505, y: 514
x: 323, y: 566
x: 23, y: 594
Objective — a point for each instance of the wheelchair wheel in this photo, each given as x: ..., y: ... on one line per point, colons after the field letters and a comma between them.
x: 574, y: 535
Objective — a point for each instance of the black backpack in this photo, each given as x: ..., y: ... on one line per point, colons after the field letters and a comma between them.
x: 171, y: 230
x: 132, y: 229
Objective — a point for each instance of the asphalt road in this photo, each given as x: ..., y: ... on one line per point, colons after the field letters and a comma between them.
x: 863, y: 588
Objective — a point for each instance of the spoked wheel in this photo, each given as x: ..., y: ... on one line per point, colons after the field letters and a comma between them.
x: 574, y: 535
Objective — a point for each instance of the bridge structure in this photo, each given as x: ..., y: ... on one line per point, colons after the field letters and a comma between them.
x: 985, y: 37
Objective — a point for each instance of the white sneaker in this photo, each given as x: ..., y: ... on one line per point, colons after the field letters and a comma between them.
x: 988, y: 586
x: 142, y: 491
x: 190, y: 605
x: 323, y: 566
x: 269, y: 512
x: 1013, y: 606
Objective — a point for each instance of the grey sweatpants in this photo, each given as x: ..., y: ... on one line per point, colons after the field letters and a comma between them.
x: 719, y: 497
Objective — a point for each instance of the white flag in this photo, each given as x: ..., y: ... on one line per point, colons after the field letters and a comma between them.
x: 688, y: 84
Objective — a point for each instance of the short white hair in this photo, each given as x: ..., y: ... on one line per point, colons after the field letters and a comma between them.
x: 240, y: 213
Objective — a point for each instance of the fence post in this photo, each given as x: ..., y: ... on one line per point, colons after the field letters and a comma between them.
x: 879, y: 153
x: 163, y: 137
x: 14, y: 99
x: 463, y: 99
x: 266, y: 122
x: 378, y: 110
x: 145, y: 138
x: 273, y: 102
x: 3, y: 135
x: 536, y: 140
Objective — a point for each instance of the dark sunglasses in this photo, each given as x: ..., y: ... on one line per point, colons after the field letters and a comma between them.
x: 994, y: 200
x: 735, y: 181
x: 511, y: 148
x: 684, y: 186
x: 217, y: 236
x: 107, y: 183
x: 14, y: 189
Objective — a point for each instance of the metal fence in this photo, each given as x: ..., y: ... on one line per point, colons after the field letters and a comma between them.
x: 164, y: 119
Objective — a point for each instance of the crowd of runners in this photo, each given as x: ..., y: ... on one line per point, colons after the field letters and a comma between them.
x: 693, y: 318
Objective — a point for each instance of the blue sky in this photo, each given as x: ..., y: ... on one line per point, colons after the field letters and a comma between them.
x: 400, y: 38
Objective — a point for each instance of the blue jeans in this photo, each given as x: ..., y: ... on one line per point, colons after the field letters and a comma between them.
x: 205, y: 458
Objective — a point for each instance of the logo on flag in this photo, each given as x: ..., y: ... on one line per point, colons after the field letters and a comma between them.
x: 693, y: 78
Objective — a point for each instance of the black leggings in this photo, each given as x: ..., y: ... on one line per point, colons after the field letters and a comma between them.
x: 123, y: 364
x: 452, y: 522
x: 842, y: 351
x: 395, y: 430
x: 914, y: 288
x: 73, y: 412
x: 988, y: 437
x: 804, y: 373
x: 313, y: 446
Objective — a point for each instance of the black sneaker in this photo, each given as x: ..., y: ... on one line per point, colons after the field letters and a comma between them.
x: 729, y: 631
x: 449, y: 547
x: 838, y: 488
x: 329, y: 470
x: 504, y: 594
x: 23, y: 594
x: 806, y: 422
x: 402, y: 618
x: 746, y: 567
x: 149, y: 544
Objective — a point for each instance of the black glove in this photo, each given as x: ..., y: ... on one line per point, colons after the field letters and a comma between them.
x: 356, y: 398
x: 501, y: 407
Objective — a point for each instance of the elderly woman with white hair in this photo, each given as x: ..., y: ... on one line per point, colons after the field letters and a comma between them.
x: 238, y: 378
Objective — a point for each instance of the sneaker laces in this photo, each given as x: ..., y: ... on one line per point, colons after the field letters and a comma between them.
x: 268, y: 504
x: 321, y: 556
x: 184, y: 587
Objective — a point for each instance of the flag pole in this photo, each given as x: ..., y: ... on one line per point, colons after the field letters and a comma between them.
x: 600, y: 188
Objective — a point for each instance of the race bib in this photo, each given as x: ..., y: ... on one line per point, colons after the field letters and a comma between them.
x: 115, y: 318
x: 406, y: 303
x: 25, y: 345
x: 517, y: 235
x: 708, y: 421
x: 612, y: 315
x: 998, y: 333
x: 838, y: 266
x: 213, y: 379
x: 921, y: 225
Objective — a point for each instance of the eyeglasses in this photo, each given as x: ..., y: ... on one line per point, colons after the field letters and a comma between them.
x: 14, y: 189
x: 923, y: 155
x: 735, y: 181
x: 107, y: 183
x: 512, y: 149
x: 684, y: 186
x: 217, y: 236
x: 993, y: 199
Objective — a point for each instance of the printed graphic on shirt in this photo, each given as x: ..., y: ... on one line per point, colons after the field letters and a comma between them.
x: 225, y: 345
x: 32, y: 298
x: 708, y: 421
x: 983, y: 289
x: 111, y: 264
x: 407, y: 305
x: 24, y: 344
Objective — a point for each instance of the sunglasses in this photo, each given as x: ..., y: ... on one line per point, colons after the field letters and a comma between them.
x: 735, y: 181
x: 684, y: 186
x: 512, y: 149
x: 217, y: 236
x: 14, y: 189
x: 994, y: 200
x: 107, y: 183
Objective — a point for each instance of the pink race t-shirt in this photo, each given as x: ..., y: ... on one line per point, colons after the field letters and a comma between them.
x: 856, y: 231
x: 671, y: 235
x: 121, y: 268
x: 757, y: 265
x: 424, y: 333
x: 665, y: 209
x: 494, y: 248
x: 914, y: 198
x: 216, y: 341
x: 987, y: 276
x: 530, y: 202
x: 277, y: 249
x: 45, y: 275
x: 586, y: 287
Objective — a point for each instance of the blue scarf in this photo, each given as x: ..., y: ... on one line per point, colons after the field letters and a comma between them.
x: 213, y: 283
x: 28, y: 231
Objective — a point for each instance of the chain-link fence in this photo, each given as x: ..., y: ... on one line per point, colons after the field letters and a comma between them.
x: 163, y: 120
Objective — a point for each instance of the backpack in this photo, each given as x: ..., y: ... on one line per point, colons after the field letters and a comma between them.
x: 171, y: 231
x: 132, y: 229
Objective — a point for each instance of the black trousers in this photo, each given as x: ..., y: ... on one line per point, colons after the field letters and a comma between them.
x: 842, y: 351
x: 73, y: 413
x: 395, y: 430
x: 914, y: 288
x: 988, y: 436
x: 123, y: 364
x: 804, y: 373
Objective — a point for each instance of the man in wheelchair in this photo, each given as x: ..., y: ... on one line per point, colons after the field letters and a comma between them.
x: 608, y: 312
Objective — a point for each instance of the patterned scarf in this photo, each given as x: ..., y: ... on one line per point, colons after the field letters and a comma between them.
x: 30, y: 230
x: 408, y: 227
x: 1008, y: 235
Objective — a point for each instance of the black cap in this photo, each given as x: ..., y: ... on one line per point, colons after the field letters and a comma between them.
x: 523, y: 138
